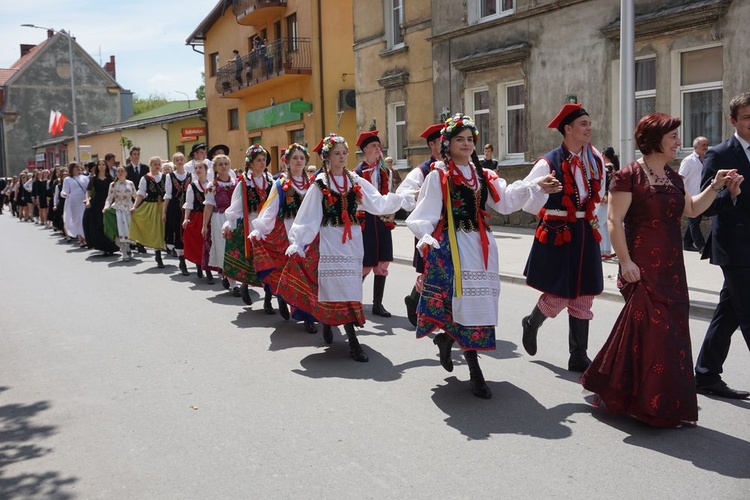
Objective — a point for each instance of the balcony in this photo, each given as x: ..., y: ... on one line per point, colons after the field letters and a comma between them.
x: 258, y: 12
x: 280, y: 60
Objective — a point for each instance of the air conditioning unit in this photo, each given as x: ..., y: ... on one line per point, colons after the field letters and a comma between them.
x: 347, y: 100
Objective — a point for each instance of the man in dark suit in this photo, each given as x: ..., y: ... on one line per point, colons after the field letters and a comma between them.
x: 728, y: 246
x: 135, y: 168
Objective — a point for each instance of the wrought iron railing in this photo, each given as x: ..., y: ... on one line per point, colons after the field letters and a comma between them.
x: 282, y: 56
x: 241, y: 7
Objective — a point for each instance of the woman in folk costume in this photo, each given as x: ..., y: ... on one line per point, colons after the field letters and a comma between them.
x: 269, y: 236
x: 120, y: 198
x: 146, y: 221
x: 74, y: 191
x: 218, y: 197
x: 323, y: 277
x: 197, y: 248
x: 461, y: 282
x: 247, y: 202
x: 176, y: 187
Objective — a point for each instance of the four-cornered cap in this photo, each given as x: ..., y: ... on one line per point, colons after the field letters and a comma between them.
x: 213, y: 150
x: 196, y: 147
x: 318, y: 147
x: 366, y: 138
x: 566, y: 116
x: 432, y: 132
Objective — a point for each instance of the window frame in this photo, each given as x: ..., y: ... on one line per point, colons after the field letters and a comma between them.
x: 472, y: 111
x: 230, y: 124
x: 502, y: 146
x: 477, y: 11
x: 390, y: 29
x: 292, y: 32
x: 647, y: 94
x: 213, y: 64
x: 393, y: 128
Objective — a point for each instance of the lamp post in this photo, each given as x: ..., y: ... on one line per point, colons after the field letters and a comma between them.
x: 72, y: 83
x: 183, y: 93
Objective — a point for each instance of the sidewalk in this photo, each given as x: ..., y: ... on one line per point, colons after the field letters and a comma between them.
x: 704, y: 280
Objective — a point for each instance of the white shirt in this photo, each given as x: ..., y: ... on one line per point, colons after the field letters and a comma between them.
x: 168, y: 185
x: 745, y: 145
x: 143, y: 183
x: 691, y: 169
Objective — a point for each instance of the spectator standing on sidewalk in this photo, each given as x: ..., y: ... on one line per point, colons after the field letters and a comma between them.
x: 611, y: 165
x: 691, y: 170
x: 489, y: 162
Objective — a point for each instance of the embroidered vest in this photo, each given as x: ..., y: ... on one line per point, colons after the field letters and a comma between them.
x: 154, y: 190
x: 332, y: 211
x: 179, y: 188
x: 464, y: 204
x: 254, y: 200
x: 198, y: 198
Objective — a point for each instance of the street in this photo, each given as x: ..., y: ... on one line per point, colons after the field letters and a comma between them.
x: 122, y: 381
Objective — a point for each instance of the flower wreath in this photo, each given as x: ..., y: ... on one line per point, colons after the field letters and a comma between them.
x: 290, y: 150
x: 454, y: 125
x: 253, y: 151
x: 329, y: 142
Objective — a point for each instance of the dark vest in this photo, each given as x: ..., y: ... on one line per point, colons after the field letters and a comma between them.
x: 289, y: 201
x: 254, y: 200
x: 154, y: 190
x: 198, y: 198
x: 464, y: 204
x: 332, y: 211
x: 179, y: 188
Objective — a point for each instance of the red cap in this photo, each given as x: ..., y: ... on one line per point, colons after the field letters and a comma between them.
x: 318, y: 147
x: 432, y: 132
x: 567, y: 114
x: 366, y: 138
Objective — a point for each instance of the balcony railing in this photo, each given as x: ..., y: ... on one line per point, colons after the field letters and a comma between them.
x: 285, y: 56
x: 257, y: 12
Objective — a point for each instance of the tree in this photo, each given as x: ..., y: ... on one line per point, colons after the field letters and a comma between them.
x: 143, y: 104
x: 200, y: 92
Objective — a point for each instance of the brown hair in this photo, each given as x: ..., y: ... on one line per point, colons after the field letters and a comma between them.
x: 71, y: 166
x: 651, y: 129
x: 737, y: 102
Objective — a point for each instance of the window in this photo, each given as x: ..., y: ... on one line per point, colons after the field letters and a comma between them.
x: 63, y: 157
x: 292, y: 32
x: 397, y: 132
x: 481, y: 107
x: 394, y: 16
x: 495, y: 8
x: 256, y: 140
x: 515, y: 138
x: 233, y: 119
x: 701, y: 83
x: 297, y: 136
x: 181, y: 148
x: 277, y: 30
x: 645, y: 87
x: 213, y: 63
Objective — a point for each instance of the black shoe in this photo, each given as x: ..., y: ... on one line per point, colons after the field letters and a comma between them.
x: 327, y: 334
x: 378, y: 288
x: 199, y: 272
x: 183, y: 266
x: 236, y: 291
x: 722, y: 390
x: 283, y: 308
x: 355, y: 350
x: 530, y: 325
x: 578, y: 343
x: 311, y: 328
x: 578, y: 362
x: 159, y: 262
x: 209, y: 277
x: 444, y: 343
x: 245, y: 294
x: 411, y: 301
x: 225, y: 282
x: 267, y: 306
x: 141, y: 248
x: 476, y: 381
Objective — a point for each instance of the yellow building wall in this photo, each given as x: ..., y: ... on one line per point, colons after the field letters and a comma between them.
x: 175, y: 130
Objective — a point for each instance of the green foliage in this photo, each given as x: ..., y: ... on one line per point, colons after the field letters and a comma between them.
x: 200, y: 92
x: 143, y: 104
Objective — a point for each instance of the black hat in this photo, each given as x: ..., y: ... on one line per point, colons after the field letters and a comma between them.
x: 196, y: 147
x: 212, y: 151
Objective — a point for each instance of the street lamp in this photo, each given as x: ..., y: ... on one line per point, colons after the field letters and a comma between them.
x: 72, y: 82
x: 183, y: 93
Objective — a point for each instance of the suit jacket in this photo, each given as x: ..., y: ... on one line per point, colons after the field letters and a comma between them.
x: 135, y: 174
x: 728, y: 243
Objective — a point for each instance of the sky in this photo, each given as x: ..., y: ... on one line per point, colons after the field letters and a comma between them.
x: 147, y: 38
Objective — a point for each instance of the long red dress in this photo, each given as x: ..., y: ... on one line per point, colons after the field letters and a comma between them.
x: 645, y: 368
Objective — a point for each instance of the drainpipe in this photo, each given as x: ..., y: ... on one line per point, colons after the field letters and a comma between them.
x: 167, y: 131
x: 202, y: 118
x: 320, y: 71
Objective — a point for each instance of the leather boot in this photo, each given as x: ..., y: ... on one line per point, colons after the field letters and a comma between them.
x: 159, y: 262
x: 267, y: 306
x: 225, y: 282
x: 531, y: 324
x: 327, y: 334
x: 444, y: 343
x: 199, y: 272
x: 378, y: 288
x: 578, y: 342
x: 183, y: 266
x: 476, y: 378
x: 209, y: 277
x: 354, y: 348
x: 411, y: 302
x: 283, y: 308
x: 245, y: 294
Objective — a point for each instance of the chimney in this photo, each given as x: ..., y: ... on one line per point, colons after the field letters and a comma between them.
x: 26, y: 48
x: 50, y: 34
x: 109, y: 67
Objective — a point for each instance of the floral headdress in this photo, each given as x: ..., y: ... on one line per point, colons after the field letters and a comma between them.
x: 292, y: 147
x: 453, y: 126
x: 330, y: 141
x: 254, y: 151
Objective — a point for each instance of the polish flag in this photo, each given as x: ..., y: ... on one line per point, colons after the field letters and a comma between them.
x: 61, y: 120
x: 57, y: 122
x: 52, y: 122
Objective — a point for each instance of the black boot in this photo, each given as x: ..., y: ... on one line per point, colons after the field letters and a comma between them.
x: 141, y: 248
x: 245, y: 294
x: 283, y: 308
x: 225, y: 282
x: 183, y: 266
x: 159, y: 262
x: 354, y: 348
x: 531, y: 324
x: 209, y: 277
x: 411, y: 302
x: 578, y: 342
x: 444, y: 343
x: 378, y: 287
x: 476, y: 378
x: 267, y: 306
x: 327, y: 334
x: 311, y: 328
x: 199, y: 271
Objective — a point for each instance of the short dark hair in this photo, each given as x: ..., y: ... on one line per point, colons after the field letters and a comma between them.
x: 134, y: 148
x: 109, y: 156
x: 651, y: 129
x: 737, y: 102
x: 490, y: 147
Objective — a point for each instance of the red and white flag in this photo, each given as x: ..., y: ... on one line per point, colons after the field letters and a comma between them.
x: 57, y: 122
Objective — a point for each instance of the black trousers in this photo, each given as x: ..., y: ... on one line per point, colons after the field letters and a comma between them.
x: 693, y: 235
x: 733, y: 311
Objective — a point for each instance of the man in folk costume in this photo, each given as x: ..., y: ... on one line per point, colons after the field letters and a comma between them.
x: 411, y: 186
x: 565, y: 261
x: 376, y: 230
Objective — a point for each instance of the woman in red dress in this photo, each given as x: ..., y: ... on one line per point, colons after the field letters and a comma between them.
x: 645, y: 368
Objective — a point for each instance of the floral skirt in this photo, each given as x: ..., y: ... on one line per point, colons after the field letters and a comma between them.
x: 269, y: 258
x: 236, y: 265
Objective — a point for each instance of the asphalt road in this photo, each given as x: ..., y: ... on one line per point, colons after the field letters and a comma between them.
x: 124, y: 381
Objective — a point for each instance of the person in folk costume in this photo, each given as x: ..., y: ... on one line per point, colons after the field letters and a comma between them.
x: 376, y: 229
x: 218, y: 198
x: 323, y: 277
x: 565, y: 259
x: 120, y: 197
x: 411, y: 186
x: 461, y: 277
x: 196, y: 247
x: 147, y: 222
x: 176, y: 187
x: 269, y: 236
x: 247, y: 202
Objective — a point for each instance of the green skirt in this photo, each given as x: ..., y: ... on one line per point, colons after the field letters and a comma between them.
x: 236, y: 265
x: 146, y: 226
x: 110, y: 224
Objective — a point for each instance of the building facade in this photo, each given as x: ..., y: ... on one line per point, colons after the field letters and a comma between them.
x: 290, y: 81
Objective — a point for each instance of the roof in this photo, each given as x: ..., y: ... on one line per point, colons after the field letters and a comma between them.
x: 7, y: 73
x: 199, y: 34
x: 169, y: 108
